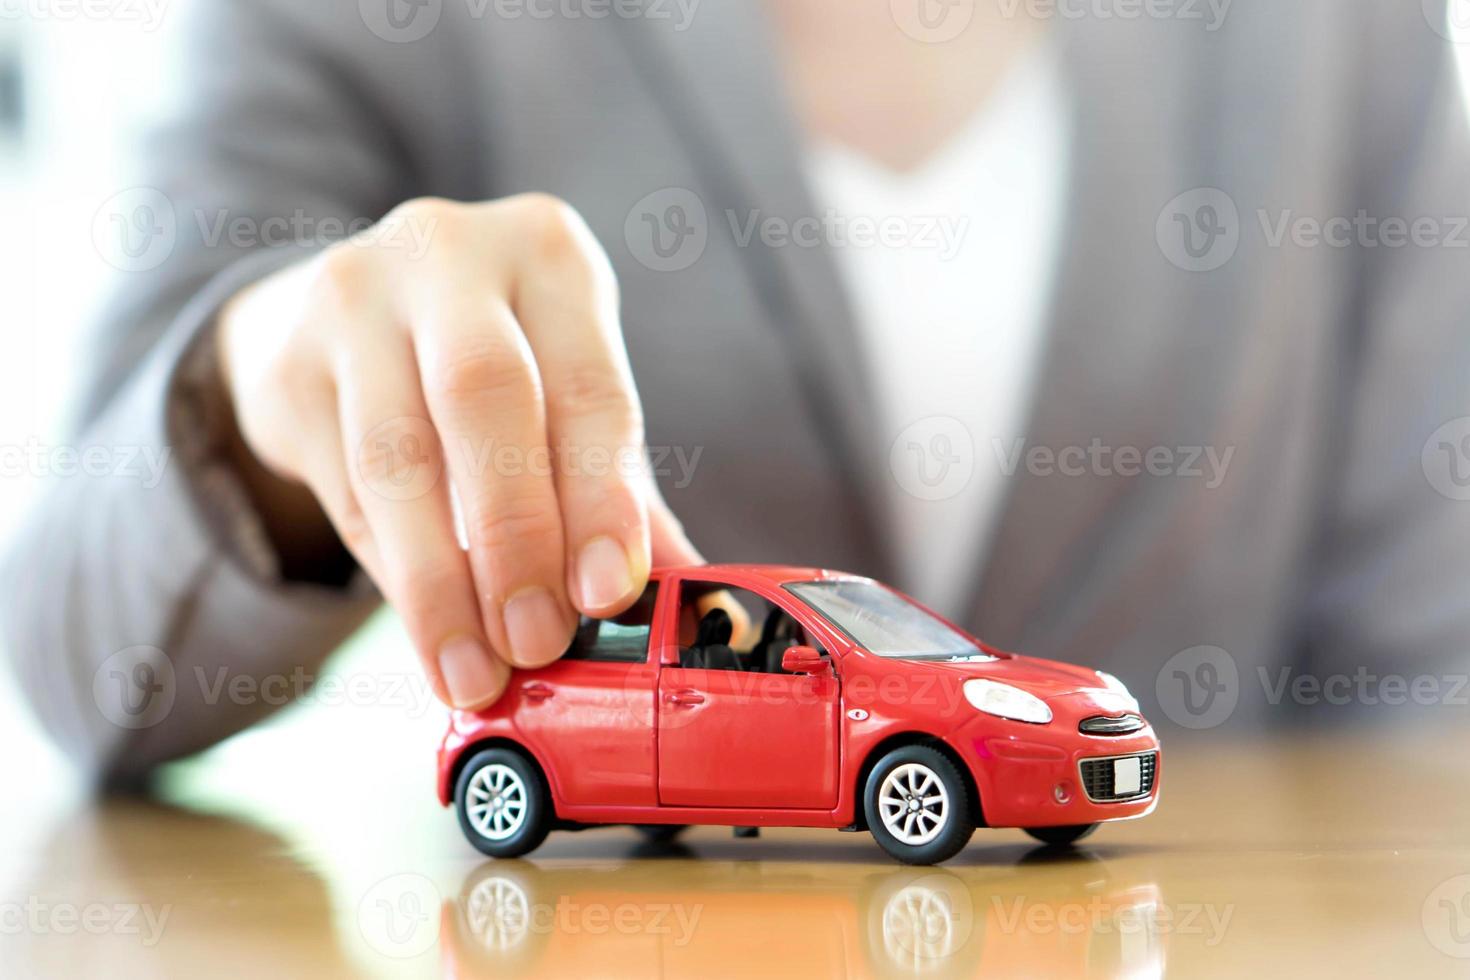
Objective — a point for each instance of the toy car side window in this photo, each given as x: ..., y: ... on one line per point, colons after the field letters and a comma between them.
x: 621, y: 639
x: 726, y: 628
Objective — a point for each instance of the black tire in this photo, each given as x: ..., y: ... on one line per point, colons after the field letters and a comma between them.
x: 535, y: 814
x: 955, y: 816
x: 1061, y: 836
x: 660, y: 833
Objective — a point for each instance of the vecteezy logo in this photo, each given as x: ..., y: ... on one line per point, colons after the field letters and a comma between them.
x: 1446, y: 459
x: 135, y: 230
x: 1450, y: 19
x: 1446, y: 917
x: 934, y: 458
x: 932, y: 21
x: 135, y: 688
x: 1199, y: 687
x: 399, y: 916
x: 400, y: 459
x: 667, y: 231
x: 1199, y: 230
x: 400, y: 21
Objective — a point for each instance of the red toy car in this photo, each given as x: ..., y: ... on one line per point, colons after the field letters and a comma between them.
x: 753, y: 696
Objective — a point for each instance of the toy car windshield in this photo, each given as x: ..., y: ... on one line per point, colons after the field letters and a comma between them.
x: 885, y: 623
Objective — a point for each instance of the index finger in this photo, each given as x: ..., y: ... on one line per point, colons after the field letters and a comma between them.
x: 567, y: 303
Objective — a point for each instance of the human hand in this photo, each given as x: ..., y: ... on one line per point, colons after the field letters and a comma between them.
x: 492, y: 360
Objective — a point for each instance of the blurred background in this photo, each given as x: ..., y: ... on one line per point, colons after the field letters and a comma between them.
x: 77, y: 80
x: 75, y: 86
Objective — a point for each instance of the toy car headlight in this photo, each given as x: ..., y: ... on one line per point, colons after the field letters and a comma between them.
x: 1005, y: 701
x: 1117, y: 687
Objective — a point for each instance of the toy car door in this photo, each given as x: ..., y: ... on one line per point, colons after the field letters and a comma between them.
x: 734, y: 729
x: 590, y: 714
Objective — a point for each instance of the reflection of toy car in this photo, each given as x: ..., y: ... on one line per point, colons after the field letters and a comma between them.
x: 774, y: 696
x: 1038, y: 918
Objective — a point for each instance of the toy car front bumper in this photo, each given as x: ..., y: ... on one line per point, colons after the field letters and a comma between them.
x: 1053, y: 775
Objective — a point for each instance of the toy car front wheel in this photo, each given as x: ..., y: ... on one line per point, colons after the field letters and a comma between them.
x: 917, y: 807
x: 504, y: 809
x: 1061, y: 836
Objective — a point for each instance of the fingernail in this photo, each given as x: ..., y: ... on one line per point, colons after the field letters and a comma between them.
x: 470, y: 673
x: 603, y: 576
x: 536, y: 627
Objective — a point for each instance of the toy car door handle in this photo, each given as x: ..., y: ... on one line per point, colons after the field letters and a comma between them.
x: 686, y: 698
x: 537, y: 691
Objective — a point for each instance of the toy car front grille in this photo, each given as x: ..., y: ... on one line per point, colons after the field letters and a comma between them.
x: 1097, y: 778
x: 1107, y: 725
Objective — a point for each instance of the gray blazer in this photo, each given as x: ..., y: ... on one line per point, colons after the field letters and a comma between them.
x: 1336, y: 539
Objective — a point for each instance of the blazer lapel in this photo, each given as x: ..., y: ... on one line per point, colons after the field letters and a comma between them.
x: 1057, y: 536
x: 718, y: 81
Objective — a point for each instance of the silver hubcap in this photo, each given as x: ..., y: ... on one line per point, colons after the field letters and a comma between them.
x: 913, y: 804
x: 496, y: 801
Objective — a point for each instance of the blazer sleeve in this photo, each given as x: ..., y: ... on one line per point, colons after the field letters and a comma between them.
x: 126, y: 599
x: 1389, y: 595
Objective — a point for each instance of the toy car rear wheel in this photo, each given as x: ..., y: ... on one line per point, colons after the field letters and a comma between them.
x: 1061, y: 836
x: 917, y: 806
x: 503, y: 805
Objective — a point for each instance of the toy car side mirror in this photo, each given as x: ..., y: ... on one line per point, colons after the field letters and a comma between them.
x: 804, y: 660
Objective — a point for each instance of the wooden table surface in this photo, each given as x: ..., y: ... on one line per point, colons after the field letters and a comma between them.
x: 1301, y: 856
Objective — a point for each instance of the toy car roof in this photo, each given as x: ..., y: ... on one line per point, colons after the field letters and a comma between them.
x: 776, y: 574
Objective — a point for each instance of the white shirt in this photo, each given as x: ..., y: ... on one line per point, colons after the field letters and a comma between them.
x: 950, y: 302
